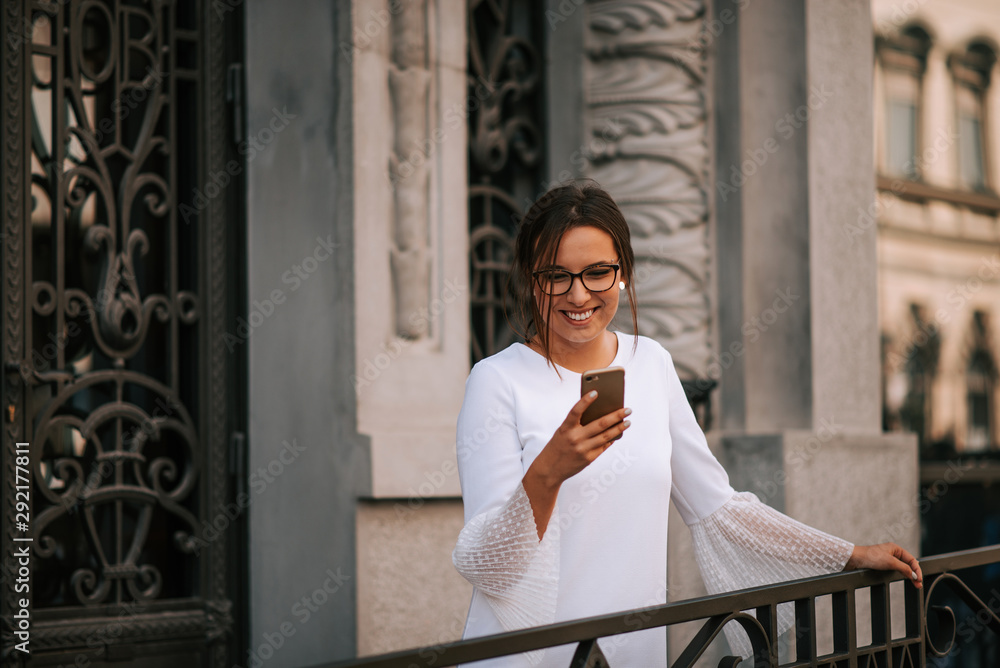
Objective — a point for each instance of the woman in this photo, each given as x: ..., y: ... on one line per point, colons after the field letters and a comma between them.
x: 563, y: 521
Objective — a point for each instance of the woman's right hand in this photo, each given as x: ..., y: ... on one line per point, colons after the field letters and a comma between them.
x: 574, y: 446
x: 570, y: 450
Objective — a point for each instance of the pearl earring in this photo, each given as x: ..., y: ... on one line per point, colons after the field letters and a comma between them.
x: 621, y: 285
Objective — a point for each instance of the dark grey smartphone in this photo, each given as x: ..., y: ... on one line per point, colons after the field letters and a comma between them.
x: 610, y: 386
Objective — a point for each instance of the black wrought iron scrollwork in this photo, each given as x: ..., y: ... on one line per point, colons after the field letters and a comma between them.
x: 115, y: 451
x: 764, y: 650
x: 942, y: 642
x: 505, y: 154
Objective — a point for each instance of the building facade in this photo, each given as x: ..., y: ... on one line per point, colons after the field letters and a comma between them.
x: 937, y: 213
x: 305, y: 215
x: 938, y: 217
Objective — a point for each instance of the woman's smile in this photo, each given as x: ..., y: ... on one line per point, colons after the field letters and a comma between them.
x: 579, y: 316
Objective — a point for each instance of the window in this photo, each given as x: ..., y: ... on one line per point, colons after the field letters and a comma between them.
x: 920, y: 369
x: 903, y: 59
x: 902, y: 137
x: 980, y: 381
x: 971, y: 71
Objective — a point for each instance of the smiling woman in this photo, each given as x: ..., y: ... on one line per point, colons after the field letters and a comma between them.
x: 557, y: 530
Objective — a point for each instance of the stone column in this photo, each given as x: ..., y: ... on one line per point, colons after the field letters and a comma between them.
x: 410, y: 108
x: 411, y: 279
x: 305, y: 459
x: 798, y: 361
x: 798, y: 329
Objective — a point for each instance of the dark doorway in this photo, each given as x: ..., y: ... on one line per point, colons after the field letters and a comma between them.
x: 121, y: 238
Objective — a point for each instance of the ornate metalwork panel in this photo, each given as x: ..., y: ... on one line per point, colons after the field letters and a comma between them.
x: 114, y: 297
x: 505, y: 152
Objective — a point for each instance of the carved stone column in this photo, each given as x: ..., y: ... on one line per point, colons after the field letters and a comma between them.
x: 646, y: 140
x: 410, y: 230
x: 409, y: 87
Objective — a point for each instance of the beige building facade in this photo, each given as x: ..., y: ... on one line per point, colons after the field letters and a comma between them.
x: 938, y: 217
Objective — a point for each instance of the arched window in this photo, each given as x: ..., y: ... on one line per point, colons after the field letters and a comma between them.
x: 981, y: 386
x: 903, y: 60
x: 920, y: 368
x: 971, y: 70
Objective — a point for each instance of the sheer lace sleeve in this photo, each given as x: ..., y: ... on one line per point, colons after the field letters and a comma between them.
x: 499, y: 552
x: 746, y: 543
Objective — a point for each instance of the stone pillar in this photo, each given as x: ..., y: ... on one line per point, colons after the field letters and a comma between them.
x: 798, y: 330
x: 798, y: 361
x: 798, y: 301
x: 305, y: 459
x: 411, y: 229
x: 411, y: 344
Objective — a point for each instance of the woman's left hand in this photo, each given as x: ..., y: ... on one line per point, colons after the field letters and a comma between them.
x: 886, y: 557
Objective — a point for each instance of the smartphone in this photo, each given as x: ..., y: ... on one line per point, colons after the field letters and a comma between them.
x: 610, y: 386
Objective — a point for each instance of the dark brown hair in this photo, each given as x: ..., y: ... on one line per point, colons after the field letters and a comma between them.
x: 538, y: 237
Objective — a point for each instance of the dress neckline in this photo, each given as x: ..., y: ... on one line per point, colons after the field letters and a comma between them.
x: 617, y: 361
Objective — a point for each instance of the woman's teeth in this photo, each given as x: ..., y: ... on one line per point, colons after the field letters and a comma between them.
x: 580, y: 316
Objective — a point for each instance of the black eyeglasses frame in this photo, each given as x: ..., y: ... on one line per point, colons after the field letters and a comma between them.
x: 572, y: 276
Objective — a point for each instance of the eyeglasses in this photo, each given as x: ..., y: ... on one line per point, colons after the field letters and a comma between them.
x: 555, y: 282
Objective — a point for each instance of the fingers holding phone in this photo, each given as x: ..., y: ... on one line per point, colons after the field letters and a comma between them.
x: 587, y: 432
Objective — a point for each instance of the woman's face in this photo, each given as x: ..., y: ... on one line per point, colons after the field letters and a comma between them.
x: 580, y: 316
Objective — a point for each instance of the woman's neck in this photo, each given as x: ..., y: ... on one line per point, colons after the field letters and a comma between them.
x: 596, y: 354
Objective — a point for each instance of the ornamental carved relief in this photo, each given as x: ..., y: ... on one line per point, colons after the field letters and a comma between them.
x: 409, y: 88
x: 646, y: 128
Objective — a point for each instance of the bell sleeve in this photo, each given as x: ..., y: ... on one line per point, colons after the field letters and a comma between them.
x: 498, y: 550
x: 739, y: 542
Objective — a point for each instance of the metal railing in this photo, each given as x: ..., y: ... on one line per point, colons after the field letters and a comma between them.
x: 909, y: 650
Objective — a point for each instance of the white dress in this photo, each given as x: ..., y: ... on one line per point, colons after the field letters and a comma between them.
x: 605, y: 548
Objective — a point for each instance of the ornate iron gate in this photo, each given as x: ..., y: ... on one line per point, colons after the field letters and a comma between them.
x: 117, y: 400
x: 506, y: 156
